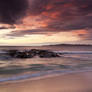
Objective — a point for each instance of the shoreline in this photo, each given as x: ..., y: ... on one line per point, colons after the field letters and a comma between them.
x: 42, y: 75
x: 72, y: 82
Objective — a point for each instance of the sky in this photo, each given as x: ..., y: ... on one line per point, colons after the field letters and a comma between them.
x: 44, y: 22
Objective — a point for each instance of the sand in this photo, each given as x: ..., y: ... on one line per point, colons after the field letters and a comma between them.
x: 73, y: 82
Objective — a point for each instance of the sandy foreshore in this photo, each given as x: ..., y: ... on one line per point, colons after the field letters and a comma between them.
x: 73, y: 82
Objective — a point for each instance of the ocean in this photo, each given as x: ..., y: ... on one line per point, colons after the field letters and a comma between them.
x: 73, y: 58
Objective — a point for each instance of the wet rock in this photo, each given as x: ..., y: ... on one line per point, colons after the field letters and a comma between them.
x: 24, y: 55
x: 47, y: 54
x: 12, y: 53
x: 32, y: 53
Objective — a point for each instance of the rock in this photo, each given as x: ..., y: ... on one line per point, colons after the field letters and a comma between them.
x: 21, y: 55
x: 31, y: 53
x: 12, y: 53
x: 47, y: 54
x: 24, y: 54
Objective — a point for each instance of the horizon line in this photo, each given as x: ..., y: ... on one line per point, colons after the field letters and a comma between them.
x: 47, y: 45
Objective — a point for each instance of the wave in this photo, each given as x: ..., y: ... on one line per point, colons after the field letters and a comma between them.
x: 2, y: 52
x: 62, y: 52
x: 41, y: 75
x: 73, y: 52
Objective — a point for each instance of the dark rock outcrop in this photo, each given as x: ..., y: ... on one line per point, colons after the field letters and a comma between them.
x: 31, y: 53
x: 22, y: 55
x: 47, y: 54
x: 12, y: 53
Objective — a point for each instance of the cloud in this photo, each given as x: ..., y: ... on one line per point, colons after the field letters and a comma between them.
x: 3, y: 27
x: 87, y: 35
x: 81, y: 22
x: 21, y: 33
x: 12, y: 10
x: 36, y: 7
x: 63, y: 15
x: 56, y: 15
x: 7, y: 27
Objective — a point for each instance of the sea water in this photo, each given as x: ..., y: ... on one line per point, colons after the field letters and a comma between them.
x: 73, y: 58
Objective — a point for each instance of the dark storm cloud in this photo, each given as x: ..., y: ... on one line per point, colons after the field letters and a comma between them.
x: 36, y: 7
x: 74, y: 15
x: 21, y: 33
x: 3, y: 28
x: 12, y: 10
x: 63, y: 15
x: 84, y: 6
x: 9, y: 27
x: 75, y: 24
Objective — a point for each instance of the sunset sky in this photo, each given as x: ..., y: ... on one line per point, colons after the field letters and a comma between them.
x: 43, y: 22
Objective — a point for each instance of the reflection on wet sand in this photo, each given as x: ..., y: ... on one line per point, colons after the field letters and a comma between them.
x: 73, y: 82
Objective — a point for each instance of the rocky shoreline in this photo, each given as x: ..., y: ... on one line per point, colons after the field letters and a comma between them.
x: 32, y: 53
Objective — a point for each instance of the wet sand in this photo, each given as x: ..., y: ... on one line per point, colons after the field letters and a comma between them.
x: 73, y: 82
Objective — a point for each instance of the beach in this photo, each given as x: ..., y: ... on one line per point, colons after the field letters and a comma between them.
x: 45, y: 46
x: 72, y: 82
x: 72, y: 72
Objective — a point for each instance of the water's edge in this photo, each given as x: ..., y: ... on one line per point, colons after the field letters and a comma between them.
x: 41, y: 75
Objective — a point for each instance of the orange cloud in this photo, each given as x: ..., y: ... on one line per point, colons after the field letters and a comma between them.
x: 53, y: 15
x: 49, y: 7
x: 68, y: 5
x: 31, y: 22
x: 79, y: 32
